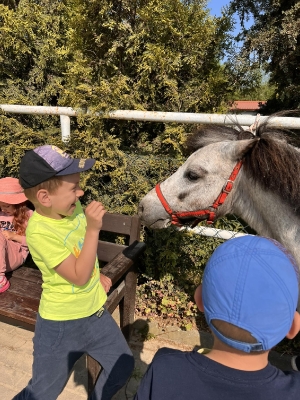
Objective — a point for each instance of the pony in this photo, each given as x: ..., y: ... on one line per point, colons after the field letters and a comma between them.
x: 232, y: 170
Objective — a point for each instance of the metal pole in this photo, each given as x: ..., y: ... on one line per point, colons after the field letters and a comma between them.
x: 193, y: 118
x: 213, y: 232
x: 44, y: 110
x: 65, y: 124
x: 157, y: 116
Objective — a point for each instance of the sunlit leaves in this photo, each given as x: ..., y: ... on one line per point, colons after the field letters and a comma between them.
x: 272, y: 42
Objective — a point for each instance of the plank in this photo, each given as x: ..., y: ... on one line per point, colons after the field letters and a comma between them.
x: 121, y: 263
x: 18, y: 307
x: 26, y: 273
x: 23, y: 287
x: 117, y: 223
x: 107, y: 251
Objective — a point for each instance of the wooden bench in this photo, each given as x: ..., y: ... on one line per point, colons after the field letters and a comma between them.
x: 19, y: 304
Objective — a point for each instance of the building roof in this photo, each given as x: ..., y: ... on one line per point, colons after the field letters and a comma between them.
x: 247, y: 105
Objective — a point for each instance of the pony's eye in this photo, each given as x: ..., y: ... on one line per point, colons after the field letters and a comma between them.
x: 192, y: 176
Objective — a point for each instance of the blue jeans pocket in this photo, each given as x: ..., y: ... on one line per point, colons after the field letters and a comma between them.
x: 48, y: 333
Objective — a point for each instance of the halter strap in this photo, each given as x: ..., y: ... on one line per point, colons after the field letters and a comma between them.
x: 210, y: 213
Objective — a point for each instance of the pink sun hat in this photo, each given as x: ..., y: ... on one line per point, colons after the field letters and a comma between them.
x: 11, y: 191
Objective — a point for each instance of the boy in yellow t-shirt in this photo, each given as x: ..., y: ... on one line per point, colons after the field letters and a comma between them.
x: 63, y: 243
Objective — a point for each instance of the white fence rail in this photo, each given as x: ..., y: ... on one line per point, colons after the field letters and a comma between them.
x: 214, y: 232
x: 155, y: 116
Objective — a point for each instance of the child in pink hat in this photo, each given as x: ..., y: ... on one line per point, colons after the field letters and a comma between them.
x: 14, y: 215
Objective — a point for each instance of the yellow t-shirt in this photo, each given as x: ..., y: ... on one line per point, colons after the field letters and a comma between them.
x: 51, y: 241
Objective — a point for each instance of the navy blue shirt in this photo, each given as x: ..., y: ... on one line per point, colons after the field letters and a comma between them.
x: 177, y: 375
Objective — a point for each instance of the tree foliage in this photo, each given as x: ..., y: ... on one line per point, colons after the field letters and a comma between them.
x: 101, y: 56
x: 161, y: 55
x: 150, y: 55
x: 106, y: 55
x: 260, y: 89
x: 272, y: 42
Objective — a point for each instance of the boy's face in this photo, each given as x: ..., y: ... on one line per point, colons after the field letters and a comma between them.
x: 65, y: 196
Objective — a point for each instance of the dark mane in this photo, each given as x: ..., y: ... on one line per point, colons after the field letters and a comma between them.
x: 207, y: 134
x: 272, y: 162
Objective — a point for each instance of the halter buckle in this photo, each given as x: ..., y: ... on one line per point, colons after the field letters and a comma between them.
x: 227, y: 189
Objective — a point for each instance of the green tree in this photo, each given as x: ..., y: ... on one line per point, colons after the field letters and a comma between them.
x: 272, y: 43
x: 10, y: 3
x: 113, y: 54
x: 34, y: 56
x: 150, y: 55
x: 262, y: 90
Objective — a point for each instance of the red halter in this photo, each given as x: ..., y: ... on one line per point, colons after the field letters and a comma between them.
x: 210, y: 213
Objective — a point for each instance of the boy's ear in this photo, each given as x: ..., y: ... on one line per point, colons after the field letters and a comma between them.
x: 43, y: 197
x: 295, y: 328
x: 198, y: 298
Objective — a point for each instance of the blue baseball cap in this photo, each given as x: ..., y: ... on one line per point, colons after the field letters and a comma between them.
x: 252, y: 283
x: 46, y: 161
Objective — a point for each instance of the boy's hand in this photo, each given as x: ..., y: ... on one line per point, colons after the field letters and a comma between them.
x: 94, y: 213
x: 105, y: 282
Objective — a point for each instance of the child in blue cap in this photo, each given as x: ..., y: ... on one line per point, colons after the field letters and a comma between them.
x: 249, y: 296
x: 63, y: 241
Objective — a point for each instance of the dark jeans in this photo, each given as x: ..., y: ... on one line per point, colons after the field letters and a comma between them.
x: 57, y: 345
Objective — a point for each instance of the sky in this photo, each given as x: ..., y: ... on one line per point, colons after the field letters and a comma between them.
x: 215, y: 7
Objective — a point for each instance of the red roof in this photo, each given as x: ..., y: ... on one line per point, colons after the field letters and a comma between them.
x: 247, y: 105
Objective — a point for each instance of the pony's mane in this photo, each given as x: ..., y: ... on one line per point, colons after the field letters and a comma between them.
x: 272, y: 162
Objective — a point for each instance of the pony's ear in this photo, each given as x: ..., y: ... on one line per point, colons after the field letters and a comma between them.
x: 239, y: 148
